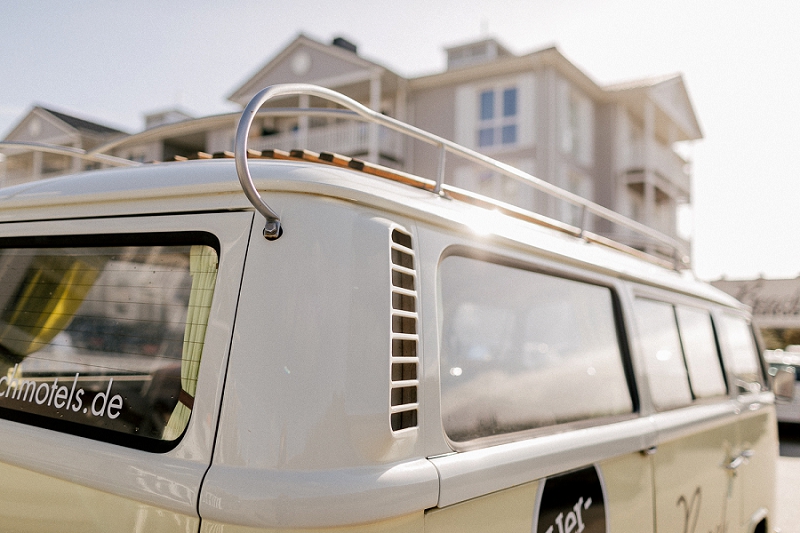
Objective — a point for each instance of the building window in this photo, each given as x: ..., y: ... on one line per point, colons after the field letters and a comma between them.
x: 579, y: 183
x: 576, y: 114
x: 498, y: 113
x: 487, y: 105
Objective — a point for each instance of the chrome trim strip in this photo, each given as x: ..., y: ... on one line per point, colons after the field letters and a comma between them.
x: 474, y: 473
x: 311, y: 499
x: 477, y: 472
x: 678, y: 423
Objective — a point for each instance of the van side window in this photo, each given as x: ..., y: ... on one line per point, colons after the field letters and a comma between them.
x: 664, y: 363
x: 700, y: 350
x: 738, y: 344
x: 523, y: 350
x: 104, y: 341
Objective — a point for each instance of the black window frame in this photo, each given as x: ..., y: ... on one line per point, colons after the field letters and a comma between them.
x: 717, y: 347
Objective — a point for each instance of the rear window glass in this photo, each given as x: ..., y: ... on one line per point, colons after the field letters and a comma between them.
x: 105, y: 341
x: 523, y: 350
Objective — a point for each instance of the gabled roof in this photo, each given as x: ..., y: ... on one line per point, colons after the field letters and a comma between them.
x: 339, y: 62
x: 642, y: 83
x: 81, y: 124
x: 670, y: 95
x: 60, y: 122
x: 512, y: 64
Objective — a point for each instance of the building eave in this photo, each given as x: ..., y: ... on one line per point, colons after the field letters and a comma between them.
x: 176, y: 129
x: 547, y: 57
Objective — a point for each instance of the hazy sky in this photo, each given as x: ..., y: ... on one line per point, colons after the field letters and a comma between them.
x: 115, y: 61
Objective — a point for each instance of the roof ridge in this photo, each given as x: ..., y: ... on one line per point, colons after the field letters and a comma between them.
x: 80, y: 123
x: 639, y: 83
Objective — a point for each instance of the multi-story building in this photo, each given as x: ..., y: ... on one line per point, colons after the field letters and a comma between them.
x: 614, y: 144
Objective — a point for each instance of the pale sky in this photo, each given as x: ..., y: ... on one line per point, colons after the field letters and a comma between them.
x: 112, y: 62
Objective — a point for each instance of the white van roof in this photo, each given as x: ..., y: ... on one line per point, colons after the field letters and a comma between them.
x: 212, y: 185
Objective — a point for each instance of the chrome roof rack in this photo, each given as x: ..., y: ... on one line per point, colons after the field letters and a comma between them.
x: 272, y: 229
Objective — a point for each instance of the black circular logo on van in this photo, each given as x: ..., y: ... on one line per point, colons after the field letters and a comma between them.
x: 571, y: 503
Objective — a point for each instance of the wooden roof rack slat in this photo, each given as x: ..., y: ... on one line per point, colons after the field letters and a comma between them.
x: 275, y: 154
x: 306, y: 155
x: 202, y: 155
x: 336, y: 159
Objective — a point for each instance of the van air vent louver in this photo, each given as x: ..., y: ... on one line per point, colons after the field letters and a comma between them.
x: 404, y: 359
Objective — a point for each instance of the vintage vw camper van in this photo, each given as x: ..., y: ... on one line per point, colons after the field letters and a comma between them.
x: 303, y: 342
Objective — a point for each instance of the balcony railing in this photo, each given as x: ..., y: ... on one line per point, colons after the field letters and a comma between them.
x: 664, y: 161
x: 347, y: 139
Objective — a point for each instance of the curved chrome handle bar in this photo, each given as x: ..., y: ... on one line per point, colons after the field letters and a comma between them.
x: 273, y: 227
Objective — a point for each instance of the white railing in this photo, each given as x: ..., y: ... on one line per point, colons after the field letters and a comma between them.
x: 346, y: 139
x: 663, y: 160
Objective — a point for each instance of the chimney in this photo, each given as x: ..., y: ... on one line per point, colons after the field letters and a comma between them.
x: 341, y: 42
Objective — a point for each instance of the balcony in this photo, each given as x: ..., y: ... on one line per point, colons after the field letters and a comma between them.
x: 671, y: 170
x: 26, y: 166
x: 346, y: 139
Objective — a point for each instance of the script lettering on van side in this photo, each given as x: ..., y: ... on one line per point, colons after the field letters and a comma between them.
x: 572, y: 502
x: 691, y: 513
x: 573, y: 518
x: 57, y: 395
